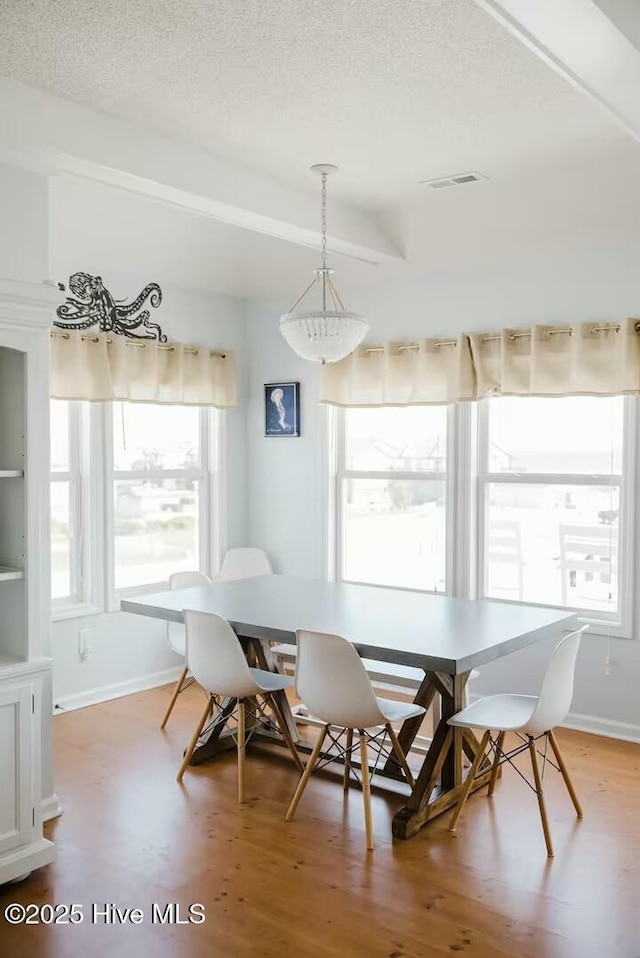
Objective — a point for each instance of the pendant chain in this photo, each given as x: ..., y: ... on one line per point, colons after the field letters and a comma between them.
x: 324, y: 220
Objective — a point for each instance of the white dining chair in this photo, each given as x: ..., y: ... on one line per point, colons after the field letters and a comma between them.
x: 176, y: 634
x: 217, y: 662
x: 332, y: 682
x: 531, y: 718
x: 244, y: 564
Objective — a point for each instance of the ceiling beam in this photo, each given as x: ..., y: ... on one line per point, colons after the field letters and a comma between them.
x: 597, y: 54
x: 57, y: 136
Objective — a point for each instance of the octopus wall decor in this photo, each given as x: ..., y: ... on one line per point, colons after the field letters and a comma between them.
x: 92, y: 304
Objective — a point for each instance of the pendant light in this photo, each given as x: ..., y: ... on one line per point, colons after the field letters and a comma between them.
x: 329, y: 333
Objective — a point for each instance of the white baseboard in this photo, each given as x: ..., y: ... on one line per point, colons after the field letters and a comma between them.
x: 51, y: 807
x: 107, y: 692
x: 599, y: 726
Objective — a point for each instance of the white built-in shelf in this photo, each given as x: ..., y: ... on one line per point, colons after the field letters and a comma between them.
x: 11, y: 473
x: 6, y: 573
x: 6, y: 660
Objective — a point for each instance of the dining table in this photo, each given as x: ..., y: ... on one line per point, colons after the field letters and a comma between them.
x: 441, y: 636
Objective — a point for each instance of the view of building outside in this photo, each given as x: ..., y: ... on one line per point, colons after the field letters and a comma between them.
x: 156, y: 516
x: 158, y: 477
x: 554, y: 542
x: 393, y: 530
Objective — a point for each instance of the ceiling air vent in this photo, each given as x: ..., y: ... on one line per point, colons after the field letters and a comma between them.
x: 458, y: 180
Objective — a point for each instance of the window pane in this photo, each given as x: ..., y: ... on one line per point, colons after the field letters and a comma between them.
x: 155, y: 437
x: 59, y: 435
x: 61, y: 540
x: 413, y: 438
x: 156, y: 530
x: 555, y: 545
x: 394, y: 532
x: 574, y: 435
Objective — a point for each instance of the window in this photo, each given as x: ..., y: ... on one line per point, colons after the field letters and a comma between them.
x: 159, y: 456
x: 65, y: 503
x: 552, y: 497
x: 132, y: 493
x: 391, y: 497
x: 542, y: 492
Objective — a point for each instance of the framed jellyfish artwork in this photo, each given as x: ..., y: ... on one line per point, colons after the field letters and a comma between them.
x: 282, y: 409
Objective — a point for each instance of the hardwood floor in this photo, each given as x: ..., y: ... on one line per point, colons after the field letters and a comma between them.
x: 132, y: 837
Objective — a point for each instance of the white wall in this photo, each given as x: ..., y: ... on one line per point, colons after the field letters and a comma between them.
x: 285, y: 491
x: 23, y: 225
x: 127, y: 651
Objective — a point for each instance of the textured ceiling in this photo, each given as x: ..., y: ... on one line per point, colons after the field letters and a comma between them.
x: 394, y: 91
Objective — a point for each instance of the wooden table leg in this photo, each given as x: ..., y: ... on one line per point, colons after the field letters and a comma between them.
x: 443, y: 761
x: 218, y: 740
x: 452, y: 703
x: 265, y: 659
x: 410, y: 728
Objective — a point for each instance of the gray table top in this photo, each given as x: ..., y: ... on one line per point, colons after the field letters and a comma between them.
x: 432, y: 632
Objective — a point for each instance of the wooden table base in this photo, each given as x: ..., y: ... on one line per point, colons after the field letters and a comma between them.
x: 439, y: 782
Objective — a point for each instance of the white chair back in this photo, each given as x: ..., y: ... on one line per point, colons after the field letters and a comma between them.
x: 176, y: 635
x: 333, y: 683
x: 215, y: 656
x: 244, y: 564
x: 556, y: 693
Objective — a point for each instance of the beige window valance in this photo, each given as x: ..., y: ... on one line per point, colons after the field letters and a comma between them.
x: 104, y: 368
x: 589, y: 359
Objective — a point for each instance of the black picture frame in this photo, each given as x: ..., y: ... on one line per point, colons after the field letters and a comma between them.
x: 282, y: 410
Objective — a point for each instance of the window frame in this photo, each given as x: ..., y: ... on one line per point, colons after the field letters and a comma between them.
x: 334, y: 497
x: 112, y: 475
x: 466, y: 481
x: 91, y: 466
x: 618, y: 623
x: 73, y: 478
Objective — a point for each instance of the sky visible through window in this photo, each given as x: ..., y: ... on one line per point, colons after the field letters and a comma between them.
x: 574, y: 435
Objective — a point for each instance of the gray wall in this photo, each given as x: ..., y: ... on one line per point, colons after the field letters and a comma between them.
x: 285, y: 484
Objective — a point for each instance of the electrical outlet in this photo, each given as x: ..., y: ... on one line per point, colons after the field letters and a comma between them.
x: 84, y: 644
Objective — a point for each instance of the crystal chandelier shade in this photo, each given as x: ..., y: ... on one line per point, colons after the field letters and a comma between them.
x: 329, y: 333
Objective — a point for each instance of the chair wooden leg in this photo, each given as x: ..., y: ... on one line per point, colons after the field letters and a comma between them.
x: 468, y: 782
x: 174, y: 695
x: 565, y: 774
x: 366, y: 790
x: 241, y: 742
x: 194, y: 741
x: 496, y: 764
x: 284, y: 729
x: 347, y: 760
x: 539, y: 792
x: 402, y: 759
x: 306, y: 775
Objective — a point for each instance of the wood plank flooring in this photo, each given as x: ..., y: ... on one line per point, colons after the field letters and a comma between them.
x: 131, y: 836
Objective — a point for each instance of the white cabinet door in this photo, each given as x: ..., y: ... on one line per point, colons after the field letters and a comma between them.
x: 17, y: 707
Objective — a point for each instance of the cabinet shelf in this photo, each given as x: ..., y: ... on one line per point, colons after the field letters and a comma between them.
x: 7, y: 660
x: 7, y: 573
x: 11, y: 473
